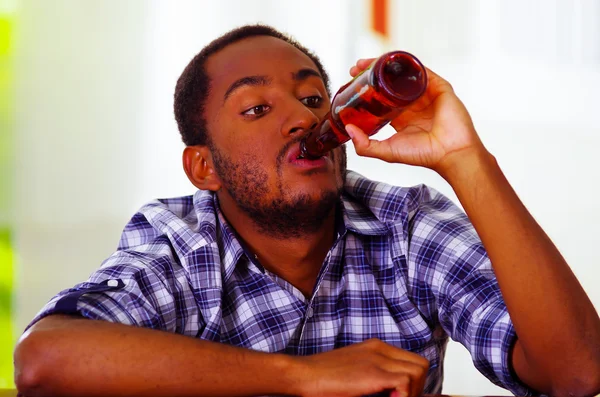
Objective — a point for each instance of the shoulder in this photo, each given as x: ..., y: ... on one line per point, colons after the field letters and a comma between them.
x: 187, y: 223
x: 389, y: 203
x: 414, y: 215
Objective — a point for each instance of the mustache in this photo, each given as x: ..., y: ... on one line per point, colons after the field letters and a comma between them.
x: 282, y: 153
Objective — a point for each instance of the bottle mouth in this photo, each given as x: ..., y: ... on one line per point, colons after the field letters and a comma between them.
x: 402, y: 77
x: 304, y: 153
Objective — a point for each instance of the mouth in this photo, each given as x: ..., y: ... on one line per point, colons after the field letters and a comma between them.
x: 293, y: 158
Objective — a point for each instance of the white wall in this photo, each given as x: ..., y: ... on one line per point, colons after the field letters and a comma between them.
x: 79, y: 81
x: 96, y: 136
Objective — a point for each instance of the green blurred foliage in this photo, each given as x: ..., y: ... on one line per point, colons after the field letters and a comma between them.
x: 6, y: 189
x: 6, y: 329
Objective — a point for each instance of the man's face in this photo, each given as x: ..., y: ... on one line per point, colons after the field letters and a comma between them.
x: 265, y: 96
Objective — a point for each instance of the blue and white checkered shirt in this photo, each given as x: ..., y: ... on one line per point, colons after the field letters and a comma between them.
x: 407, y: 268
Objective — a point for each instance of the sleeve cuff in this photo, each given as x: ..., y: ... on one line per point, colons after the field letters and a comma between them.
x: 509, y: 377
x: 70, y: 301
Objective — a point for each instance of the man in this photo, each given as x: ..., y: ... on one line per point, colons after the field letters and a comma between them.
x: 286, y: 276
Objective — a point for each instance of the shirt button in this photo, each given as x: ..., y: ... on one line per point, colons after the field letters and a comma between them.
x: 113, y: 283
x: 309, y: 312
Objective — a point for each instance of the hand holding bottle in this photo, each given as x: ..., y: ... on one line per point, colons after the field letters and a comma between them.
x: 434, y: 132
x: 370, y: 101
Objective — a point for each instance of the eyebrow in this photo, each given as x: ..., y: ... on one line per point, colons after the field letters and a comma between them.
x: 260, y: 80
x: 303, y: 74
x: 246, y: 81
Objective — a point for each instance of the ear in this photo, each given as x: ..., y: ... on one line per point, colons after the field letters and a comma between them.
x: 198, y: 166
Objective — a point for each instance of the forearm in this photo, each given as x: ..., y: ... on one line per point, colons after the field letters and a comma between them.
x: 557, y: 325
x: 79, y: 357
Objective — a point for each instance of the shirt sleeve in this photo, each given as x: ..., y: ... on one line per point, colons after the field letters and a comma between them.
x: 124, y: 290
x: 449, y: 258
x: 141, y: 284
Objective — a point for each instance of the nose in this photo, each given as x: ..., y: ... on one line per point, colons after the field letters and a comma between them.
x: 301, y: 119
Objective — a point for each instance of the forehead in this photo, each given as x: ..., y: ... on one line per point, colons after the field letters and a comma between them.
x: 260, y: 55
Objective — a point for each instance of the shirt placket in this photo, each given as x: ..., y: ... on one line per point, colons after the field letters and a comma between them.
x: 305, y: 335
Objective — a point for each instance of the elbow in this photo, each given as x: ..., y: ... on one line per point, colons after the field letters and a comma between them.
x: 29, y: 357
x: 586, y: 384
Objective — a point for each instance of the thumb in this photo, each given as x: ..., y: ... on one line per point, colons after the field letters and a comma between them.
x: 365, y: 146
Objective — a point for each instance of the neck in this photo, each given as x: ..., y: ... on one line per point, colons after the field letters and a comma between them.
x: 297, y: 259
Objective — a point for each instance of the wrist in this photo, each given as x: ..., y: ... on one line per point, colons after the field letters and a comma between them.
x: 461, y: 167
x: 292, y: 375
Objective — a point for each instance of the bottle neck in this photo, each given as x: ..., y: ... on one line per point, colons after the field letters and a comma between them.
x: 329, y: 134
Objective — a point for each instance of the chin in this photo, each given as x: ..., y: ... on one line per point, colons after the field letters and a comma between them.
x: 315, y: 193
x: 318, y: 183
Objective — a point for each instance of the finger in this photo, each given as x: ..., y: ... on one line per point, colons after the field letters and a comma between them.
x: 399, y: 392
x: 437, y: 83
x: 402, y: 387
x: 360, y: 65
x: 364, y: 63
x: 354, y: 71
x: 394, y: 352
x: 433, y: 74
x: 416, y: 369
x: 397, y: 353
x: 403, y: 361
x: 416, y: 374
x: 368, y: 147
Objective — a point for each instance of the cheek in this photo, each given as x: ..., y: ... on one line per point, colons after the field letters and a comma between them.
x: 236, y: 144
x: 257, y: 151
x: 244, y: 142
x: 259, y: 144
x: 255, y: 155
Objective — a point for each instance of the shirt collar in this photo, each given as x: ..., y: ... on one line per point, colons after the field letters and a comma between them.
x: 233, y: 248
x: 230, y: 249
x: 364, y: 203
x: 357, y: 215
x: 359, y: 219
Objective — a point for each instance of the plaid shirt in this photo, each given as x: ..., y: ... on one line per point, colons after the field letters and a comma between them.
x: 407, y: 267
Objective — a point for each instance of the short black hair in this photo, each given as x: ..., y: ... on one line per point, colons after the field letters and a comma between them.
x: 193, y: 86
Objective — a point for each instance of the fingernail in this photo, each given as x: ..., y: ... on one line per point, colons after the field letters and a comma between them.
x: 349, y: 130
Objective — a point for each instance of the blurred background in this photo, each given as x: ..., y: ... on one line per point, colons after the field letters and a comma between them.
x: 87, y: 133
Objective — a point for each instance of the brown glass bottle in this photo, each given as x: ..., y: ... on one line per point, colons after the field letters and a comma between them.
x: 370, y: 101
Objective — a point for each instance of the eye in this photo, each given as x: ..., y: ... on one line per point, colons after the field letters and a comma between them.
x: 256, y: 110
x: 312, y: 101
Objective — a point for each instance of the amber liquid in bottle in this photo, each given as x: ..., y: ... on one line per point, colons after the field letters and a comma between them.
x: 369, y: 101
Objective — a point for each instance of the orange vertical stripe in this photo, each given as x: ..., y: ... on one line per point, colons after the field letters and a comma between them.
x: 379, y: 15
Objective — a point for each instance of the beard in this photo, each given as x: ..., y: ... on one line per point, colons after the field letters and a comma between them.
x: 287, y: 215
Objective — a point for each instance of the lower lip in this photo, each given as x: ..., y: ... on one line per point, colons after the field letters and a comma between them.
x: 309, y: 163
